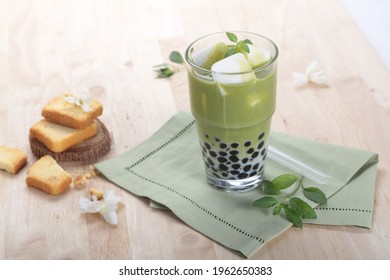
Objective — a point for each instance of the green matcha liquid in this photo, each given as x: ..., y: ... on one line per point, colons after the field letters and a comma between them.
x: 233, y: 123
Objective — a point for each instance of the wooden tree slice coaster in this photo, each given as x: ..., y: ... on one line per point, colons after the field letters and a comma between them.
x: 89, y: 150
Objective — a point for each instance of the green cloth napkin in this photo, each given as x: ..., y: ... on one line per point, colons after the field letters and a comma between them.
x: 168, y: 169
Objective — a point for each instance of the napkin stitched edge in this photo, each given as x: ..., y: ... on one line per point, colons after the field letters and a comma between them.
x: 189, y: 125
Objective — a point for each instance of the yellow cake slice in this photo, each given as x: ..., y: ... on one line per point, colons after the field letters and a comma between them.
x: 12, y: 159
x: 46, y: 175
x: 68, y: 114
x: 58, y: 138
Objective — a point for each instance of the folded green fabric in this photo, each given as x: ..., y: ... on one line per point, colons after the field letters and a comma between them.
x: 168, y: 169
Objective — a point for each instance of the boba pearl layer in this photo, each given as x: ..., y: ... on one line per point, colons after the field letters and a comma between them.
x: 234, y: 160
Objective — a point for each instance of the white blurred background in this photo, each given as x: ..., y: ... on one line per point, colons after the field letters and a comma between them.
x: 373, y: 19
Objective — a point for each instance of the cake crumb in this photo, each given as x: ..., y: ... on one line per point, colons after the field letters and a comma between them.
x: 94, y: 192
x: 81, y: 180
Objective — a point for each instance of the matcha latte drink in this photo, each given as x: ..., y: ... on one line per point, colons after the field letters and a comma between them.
x: 232, y: 82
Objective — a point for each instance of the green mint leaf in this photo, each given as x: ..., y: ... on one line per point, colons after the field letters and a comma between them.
x: 244, y: 46
x: 284, y: 181
x: 277, y: 209
x: 230, y: 52
x: 295, y: 209
x: 232, y: 37
x: 165, y: 74
x: 164, y: 70
x: 176, y: 57
x: 269, y: 188
x: 293, y: 217
x: 247, y: 41
x: 265, y: 202
x: 315, y: 195
x: 302, y: 208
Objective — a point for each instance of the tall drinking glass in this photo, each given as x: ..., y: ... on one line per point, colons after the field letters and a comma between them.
x: 232, y: 109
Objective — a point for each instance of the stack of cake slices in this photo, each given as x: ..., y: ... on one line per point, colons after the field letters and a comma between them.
x: 65, y: 125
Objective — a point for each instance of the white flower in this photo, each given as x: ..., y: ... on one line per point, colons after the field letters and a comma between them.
x: 80, y: 99
x: 106, y: 207
x: 313, y: 74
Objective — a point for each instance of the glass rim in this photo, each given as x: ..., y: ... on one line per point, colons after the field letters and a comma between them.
x: 259, y: 68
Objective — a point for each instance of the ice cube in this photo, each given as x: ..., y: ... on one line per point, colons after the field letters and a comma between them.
x: 225, y: 69
x: 208, y: 56
x: 257, y: 56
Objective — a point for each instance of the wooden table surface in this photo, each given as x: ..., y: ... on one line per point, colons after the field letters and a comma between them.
x: 48, y: 48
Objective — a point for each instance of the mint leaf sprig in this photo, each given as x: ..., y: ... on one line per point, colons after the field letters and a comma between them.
x: 243, y: 44
x: 165, y: 70
x: 295, y: 209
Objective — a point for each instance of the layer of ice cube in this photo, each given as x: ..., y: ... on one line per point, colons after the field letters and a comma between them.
x: 207, y: 56
x: 257, y: 56
x: 224, y: 70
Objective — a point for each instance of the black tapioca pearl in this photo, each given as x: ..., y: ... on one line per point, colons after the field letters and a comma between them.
x: 213, y: 154
x: 264, y: 156
x: 236, y: 166
x: 247, y: 167
x: 206, y: 135
x: 210, y: 161
x: 234, y: 145
x: 251, y: 150
x: 242, y: 175
x: 234, y: 172
x: 245, y: 160
x: 247, y: 143
x: 217, y: 139
x: 261, y: 144
x: 223, y: 154
x: 224, y: 174
x: 207, y: 145
x: 234, y: 152
x: 222, y: 159
x: 263, y: 152
x: 216, y: 174
x: 207, y: 165
x: 234, y: 159
x: 256, y: 166
x: 261, y: 136
x: 228, y: 163
x: 223, y: 146
x: 253, y: 174
x: 255, y: 154
x: 223, y: 167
